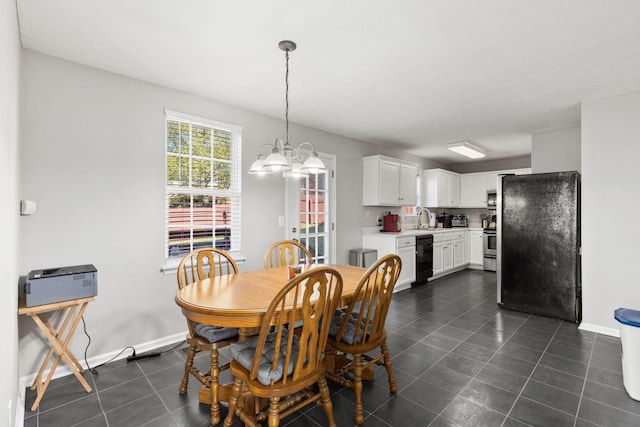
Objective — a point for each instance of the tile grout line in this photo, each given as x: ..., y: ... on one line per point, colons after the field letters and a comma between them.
x: 484, y: 366
x: 531, y: 375
x: 448, y: 352
x: 95, y: 387
x: 502, y: 349
x: 584, y: 383
x: 440, y: 414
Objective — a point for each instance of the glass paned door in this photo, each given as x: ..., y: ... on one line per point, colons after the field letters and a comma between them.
x: 309, y: 218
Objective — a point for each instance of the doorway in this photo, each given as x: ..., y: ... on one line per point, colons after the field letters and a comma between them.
x: 310, y: 211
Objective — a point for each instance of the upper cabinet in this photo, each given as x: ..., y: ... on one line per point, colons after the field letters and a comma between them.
x: 473, y: 190
x: 441, y: 188
x: 490, y: 179
x: 389, y: 182
x: 475, y: 186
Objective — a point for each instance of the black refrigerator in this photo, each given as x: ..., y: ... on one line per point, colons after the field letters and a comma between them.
x: 538, y: 244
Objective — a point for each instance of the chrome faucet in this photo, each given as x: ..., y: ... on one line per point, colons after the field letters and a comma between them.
x: 419, y: 223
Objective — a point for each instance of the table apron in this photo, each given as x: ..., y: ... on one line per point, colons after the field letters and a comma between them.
x: 235, y: 320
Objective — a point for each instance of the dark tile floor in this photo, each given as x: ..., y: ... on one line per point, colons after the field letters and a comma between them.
x: 458, y: 361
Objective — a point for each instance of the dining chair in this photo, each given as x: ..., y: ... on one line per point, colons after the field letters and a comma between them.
x: 201, y: 264
x: 280, y: 365
x: 359, y: 328
x: 287, y: 253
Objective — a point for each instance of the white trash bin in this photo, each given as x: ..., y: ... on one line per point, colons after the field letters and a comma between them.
x: 630, y: 347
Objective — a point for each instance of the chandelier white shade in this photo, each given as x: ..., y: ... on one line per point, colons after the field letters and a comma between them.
x: 466, y: 149
x: 284, y: 157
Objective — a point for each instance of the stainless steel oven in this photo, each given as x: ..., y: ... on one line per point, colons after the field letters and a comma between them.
x: 490, y: 249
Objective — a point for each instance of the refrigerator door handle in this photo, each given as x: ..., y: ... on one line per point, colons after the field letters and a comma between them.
x: 499, y: 240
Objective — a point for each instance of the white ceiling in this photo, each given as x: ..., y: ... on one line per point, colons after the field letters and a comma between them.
x: 412, y: 73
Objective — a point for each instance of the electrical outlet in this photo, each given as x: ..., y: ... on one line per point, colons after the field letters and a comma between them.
x: 379, y: 219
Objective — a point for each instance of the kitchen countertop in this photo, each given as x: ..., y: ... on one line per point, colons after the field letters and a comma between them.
x: 415, y: 232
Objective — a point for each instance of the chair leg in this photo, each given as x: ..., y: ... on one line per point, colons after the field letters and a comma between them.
x: 274, y: 412
x: 215, y: 388
x: 233, y: 402
x: 187, y: 369
x: 326, y: 401
x: 387, y: 364
x: 357, y: 387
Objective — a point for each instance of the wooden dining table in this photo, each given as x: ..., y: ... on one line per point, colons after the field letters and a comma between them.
x: 240, y: 301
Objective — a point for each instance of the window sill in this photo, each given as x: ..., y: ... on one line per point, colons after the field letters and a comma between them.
x: 170, y: 265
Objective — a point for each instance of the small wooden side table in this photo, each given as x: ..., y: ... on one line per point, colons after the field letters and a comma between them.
x: 58, y: 340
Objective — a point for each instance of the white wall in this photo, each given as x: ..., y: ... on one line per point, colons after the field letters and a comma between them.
x: 491, y: 165
x: 9, y: 114
x: 610, y: 177
x: 93, y: 160
x: 556, y: 151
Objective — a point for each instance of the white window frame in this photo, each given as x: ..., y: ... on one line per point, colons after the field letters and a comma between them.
x: 234, y: 193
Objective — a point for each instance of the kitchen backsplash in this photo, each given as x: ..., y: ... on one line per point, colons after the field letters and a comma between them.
x: 410, y: 221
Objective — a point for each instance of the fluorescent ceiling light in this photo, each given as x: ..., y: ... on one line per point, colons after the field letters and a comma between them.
x: 466, y: 149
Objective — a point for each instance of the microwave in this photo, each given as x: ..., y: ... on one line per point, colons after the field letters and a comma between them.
x: 492, y: 199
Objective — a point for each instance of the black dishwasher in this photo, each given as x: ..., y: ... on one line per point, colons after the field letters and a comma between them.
x: 424, y: 259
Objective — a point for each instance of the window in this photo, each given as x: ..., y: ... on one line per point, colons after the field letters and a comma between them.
x: 314, y: 233
x: 203, y: 180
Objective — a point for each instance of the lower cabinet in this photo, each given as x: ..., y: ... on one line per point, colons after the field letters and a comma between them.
x: 447, y: 255
x: 404, y: 247
x: 407, y: 255
x: 475, y: 248
x: 438, y: 258
x: 458, y: 253
x: 449, y: 252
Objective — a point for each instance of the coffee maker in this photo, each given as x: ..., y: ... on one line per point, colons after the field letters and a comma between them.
x: 444, y: 220
x: 391, y: 223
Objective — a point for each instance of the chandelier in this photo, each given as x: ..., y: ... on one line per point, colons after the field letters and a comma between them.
x: 284, y: 157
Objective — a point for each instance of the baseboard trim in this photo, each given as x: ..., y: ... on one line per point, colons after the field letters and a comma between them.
x: 401, y: 287
x: 612, y: 332
x: 63, y: 370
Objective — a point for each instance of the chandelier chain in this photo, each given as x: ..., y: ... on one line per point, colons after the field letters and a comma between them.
x: 286, y: 92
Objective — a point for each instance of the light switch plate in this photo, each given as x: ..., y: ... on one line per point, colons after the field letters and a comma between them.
x: 27, y: 207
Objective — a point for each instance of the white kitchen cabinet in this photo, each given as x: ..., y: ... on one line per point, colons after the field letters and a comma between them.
x: 450, y: 252
x: 389, y: 185
x: 466, y: 247
x: 447, y: 256
x: 491, y: 181
x: 441, y: 188
x: 454, y: 190
x: 403, y: 246
x: 475, y: 248
x: 407, y: 255
x: 473, y: 190
x: 442, y: 253
x: 458, y: 250
x: 474, y: 186
x: 408, y: 184
x: 492, y: 177
x: 389, y: 182
x: 438, y: 258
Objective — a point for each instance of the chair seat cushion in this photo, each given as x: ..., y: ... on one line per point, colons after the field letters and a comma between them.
x: 215, y: 333
x: 244, y: 352
x: 349, y: 334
